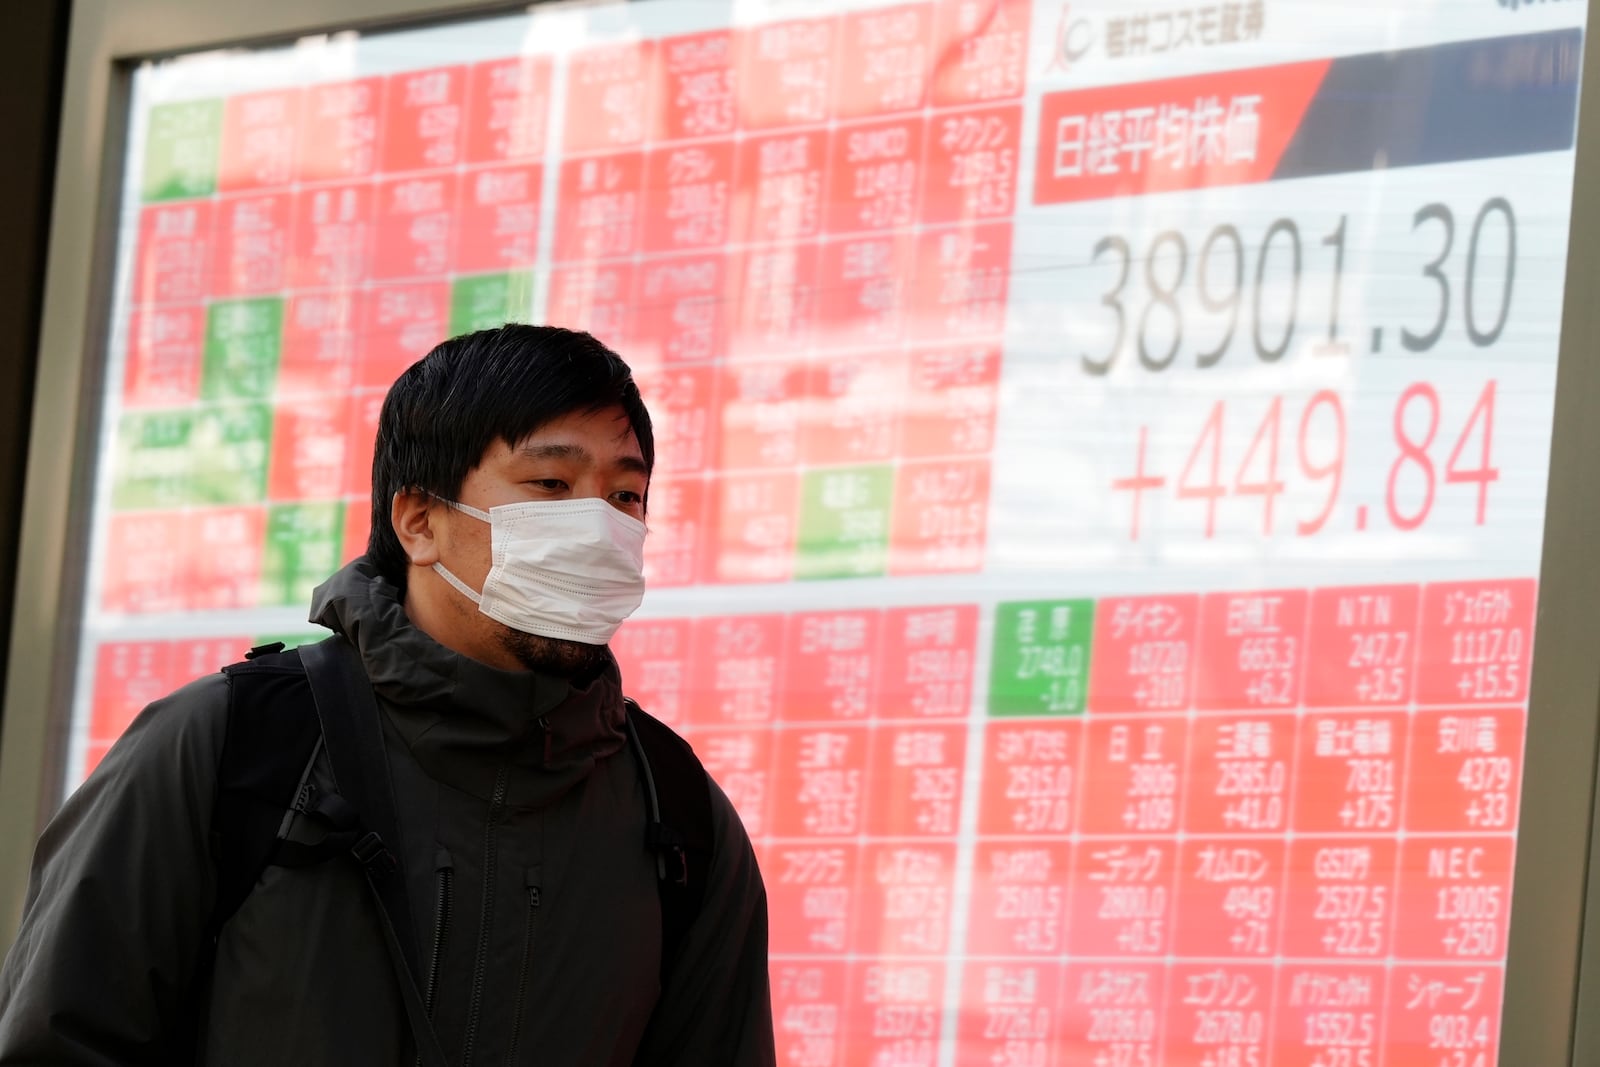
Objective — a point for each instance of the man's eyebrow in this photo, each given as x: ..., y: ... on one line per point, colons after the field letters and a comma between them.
x: 578, y: 454
x: 573, y: 452
x: 633, y: 465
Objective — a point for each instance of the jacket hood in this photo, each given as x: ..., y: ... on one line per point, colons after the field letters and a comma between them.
x: 465, y: 721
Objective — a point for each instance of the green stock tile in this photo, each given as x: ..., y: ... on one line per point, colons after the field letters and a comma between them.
x: 181, y: 148
x: 154, y: 461
x: 244, y: 339
x: 844, y: 522
x: 232, y: 444
x: 1041, y: 657
x: 302, y: 549
x: 481, y: 301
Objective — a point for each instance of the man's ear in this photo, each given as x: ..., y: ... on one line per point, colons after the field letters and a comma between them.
x: 411, y: 514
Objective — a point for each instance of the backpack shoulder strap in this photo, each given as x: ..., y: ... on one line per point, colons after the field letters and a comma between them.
x: 679, y: 797
x: 272, y: 731
x: 352, y: 730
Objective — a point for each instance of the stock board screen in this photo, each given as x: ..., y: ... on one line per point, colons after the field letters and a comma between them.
x: 1101, y: 465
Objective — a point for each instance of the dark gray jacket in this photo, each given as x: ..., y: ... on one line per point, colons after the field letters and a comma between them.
x: 123, y: 883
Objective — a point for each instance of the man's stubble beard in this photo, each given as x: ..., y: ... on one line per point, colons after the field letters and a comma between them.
x: 553, y: 655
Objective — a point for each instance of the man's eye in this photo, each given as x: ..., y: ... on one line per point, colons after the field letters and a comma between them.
x: 552, y: 485
x: 627, y: 499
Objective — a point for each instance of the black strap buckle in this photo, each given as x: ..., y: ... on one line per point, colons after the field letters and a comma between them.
x: 373, y: 854
x: 669, y: 846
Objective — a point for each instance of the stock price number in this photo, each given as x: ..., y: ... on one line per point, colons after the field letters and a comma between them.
x: 1226, y: 273
x: 1319, y: 439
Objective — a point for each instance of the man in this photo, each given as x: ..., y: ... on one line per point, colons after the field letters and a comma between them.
x: 510, y: 478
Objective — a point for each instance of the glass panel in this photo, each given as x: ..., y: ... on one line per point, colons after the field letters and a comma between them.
x: 1102, y: 457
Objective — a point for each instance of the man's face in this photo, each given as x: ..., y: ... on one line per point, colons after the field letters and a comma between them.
x: 578, y: 455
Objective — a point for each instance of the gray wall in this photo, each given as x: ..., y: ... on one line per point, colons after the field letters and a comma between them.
x: 33, y: 49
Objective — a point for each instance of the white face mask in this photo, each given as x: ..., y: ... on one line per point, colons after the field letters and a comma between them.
x: 570, y: 569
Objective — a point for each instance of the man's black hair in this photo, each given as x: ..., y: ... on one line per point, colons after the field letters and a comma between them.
x: 502, y: 384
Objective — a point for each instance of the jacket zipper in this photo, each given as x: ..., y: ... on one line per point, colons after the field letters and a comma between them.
x: 533, y: 889
x: 443, y: 869
x: 490, y: 870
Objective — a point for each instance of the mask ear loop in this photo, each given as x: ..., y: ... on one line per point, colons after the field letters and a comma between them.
x: 439, y: 568
x: 465, y: 509
x: 461, y: 587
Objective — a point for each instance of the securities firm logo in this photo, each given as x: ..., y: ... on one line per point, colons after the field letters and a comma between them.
x: 1155, y: 33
